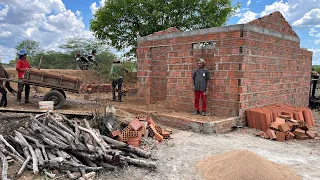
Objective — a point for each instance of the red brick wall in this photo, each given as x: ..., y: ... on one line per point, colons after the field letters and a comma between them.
x: 252, y: 66
x: 222, y: 60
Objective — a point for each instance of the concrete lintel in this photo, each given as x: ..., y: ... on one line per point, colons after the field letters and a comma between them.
x: 192, y: 33
x: 270, y: 33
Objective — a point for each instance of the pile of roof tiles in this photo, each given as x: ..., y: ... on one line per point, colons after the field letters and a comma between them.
x: 282, y: 122
x: 141, y: 126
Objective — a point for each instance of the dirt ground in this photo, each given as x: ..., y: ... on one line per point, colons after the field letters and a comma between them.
x: 177, y: 157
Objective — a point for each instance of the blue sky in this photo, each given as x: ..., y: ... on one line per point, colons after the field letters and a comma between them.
x: 50, y: 22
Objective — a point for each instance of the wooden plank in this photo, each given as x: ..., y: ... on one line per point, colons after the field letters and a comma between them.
x: 39, y: 112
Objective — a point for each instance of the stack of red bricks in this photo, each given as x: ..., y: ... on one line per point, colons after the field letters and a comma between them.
x: 285, y: 128
x: 261, y: 118
x: 141, y: 126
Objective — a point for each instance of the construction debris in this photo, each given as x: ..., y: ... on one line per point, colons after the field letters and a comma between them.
x: 261, y: 118
x: 53, y: 142
x: 141, y: 126
x: 286, y: 129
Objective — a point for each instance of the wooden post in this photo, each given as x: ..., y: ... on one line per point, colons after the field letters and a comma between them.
x: 40, y: 63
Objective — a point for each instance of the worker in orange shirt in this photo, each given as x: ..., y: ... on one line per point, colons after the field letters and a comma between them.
x: 21, y: 66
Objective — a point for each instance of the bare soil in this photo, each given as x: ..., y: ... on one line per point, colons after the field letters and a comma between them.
x: 177, y: 157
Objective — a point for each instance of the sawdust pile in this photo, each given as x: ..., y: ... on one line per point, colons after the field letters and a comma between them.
x: 243, y: 165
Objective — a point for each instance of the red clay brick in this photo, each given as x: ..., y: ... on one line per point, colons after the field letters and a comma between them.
x: 280, y: 120
x: 275, y: 125
x: 299, y: 132
x: 281, y: 136
x: 310, y: 134
x: 271, y: 133
x: 289, y: 135
x: 135, y: 124
x: 301, y: 137
x: 284, y: 127
x: 115, y: 133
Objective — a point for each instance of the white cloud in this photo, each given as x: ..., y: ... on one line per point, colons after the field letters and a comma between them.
x: 5, y: 34
x: 276, y: 6
x: 247, y: 17
x: 311, y: 18
x: 3, y: 12
x: 45, y: 21
x: 94, y: 6
x: 312, y: 30
x: 249, y: 2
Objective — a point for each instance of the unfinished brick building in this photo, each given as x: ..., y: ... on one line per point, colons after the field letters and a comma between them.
x: 254, y: 64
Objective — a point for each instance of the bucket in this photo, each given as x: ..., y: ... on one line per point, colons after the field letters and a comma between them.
x: 44, y: 106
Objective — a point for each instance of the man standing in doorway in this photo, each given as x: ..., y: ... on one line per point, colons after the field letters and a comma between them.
x: 21, y: 66
x: 117, y: 71
x: 201, y: 77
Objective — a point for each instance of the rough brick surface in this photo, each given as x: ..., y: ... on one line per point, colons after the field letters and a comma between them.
x: 253, y: 65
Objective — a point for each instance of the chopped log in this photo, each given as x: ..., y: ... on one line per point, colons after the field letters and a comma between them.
x: 64, y: 154
x: 4, y: 166
x: 38, y: 144
x: 26, y: 162
x: 52, y: 138
x: 77, y: 132
x: 127, y: 147
x: 101, y: 143
x: 14, y: 156
x: 89, y: 175
x: 48, y: 129
x: 61, y: 125
x: 51, y: 156
x: 138, y: 162
x: 39, y: 156
x: 33, y: 154
x: 73, y: 175
x: 61, y: 164
x: 50, y: 175
x: 86, y: 155
x: 107, y: 166
x: 88, y: 162
x: 66, y: 135
x: 10, y: 147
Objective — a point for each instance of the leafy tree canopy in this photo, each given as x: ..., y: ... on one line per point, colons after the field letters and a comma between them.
x: 122, y: 21
x: 32, y: 47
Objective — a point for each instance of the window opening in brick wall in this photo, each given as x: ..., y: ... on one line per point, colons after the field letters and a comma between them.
x: 241, y: 33
x: 241, y: 50
x: 204, y: 45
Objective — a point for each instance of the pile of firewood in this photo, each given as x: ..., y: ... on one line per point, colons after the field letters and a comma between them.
x: 53, y: 142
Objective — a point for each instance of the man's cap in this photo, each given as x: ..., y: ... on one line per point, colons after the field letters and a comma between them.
x: 202, y: 61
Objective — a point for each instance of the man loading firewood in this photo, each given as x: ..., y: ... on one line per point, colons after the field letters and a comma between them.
x: 117, y: 71
x: 21, y: 66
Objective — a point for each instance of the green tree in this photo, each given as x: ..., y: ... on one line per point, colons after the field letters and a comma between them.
x: 78, y: 44
x: 32, y: 47
x: 104, y: 57
x: 123, y: 21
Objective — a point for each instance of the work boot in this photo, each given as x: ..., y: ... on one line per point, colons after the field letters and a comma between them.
x: 204, y: 113
x: 195, y: 112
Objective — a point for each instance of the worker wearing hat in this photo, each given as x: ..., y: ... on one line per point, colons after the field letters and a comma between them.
x: 21, y: 66
x: 116, y: 73
x: 200, y: 77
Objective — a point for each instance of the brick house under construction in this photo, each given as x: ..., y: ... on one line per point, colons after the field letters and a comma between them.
x: 254, y: 64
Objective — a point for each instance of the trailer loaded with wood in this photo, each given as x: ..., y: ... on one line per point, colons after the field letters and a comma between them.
x: 58, y: 83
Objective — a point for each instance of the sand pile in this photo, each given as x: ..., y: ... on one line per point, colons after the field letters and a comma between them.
x: 243, y: 165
